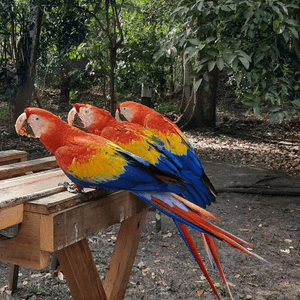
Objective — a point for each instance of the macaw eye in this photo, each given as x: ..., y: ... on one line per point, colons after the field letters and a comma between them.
x: 86, y: 111
x: 36, y: 118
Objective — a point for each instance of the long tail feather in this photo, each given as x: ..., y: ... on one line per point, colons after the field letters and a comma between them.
x: 191, y: 245
x: 208, y: 250
x: 214, y: 251
x: 198, y: 218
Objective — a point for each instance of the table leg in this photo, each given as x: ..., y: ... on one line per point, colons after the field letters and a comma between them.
x: 123, y: 256
x: 13, y: 277
x: 80, y: 272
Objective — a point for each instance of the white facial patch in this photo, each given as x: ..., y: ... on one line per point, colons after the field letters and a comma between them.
x: 37, y: 125
x: 86, y: 115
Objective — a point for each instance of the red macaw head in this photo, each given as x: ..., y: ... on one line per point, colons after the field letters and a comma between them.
x: 33, y: 122
x: 88, y: 117
x: 132, y: 112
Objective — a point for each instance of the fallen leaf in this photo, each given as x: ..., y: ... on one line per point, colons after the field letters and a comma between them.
x: 25, y: 282
x: 60, y: 276
x: 287, y: 241
x: 288, y: 251
x: 291, y: 211
x: 165, y: 245
x: 237, y: 275
x: 230, y: 283
x: 167, y: 235
x: 162, y: 271
x: 157, y: 261
x: 253, y: 284
x: 162, y: 282
x: 2, y: 290
x: 174, y: 246
x: 157, y: 253
x: 200, y: 292
x: 91, y: 241
x: 141, y: 265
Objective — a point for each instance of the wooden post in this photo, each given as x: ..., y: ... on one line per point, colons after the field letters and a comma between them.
x: 122, y: 260
x: 77, y: 263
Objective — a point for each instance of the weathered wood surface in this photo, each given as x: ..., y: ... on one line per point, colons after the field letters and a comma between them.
x: 68, y: 226
x: 10, y: 216
x: 25, y: 248
x: 12, y: 156
x: 80, y: 272
x: 19, y: 168
x: 17, y: 190
x: 123, y: 256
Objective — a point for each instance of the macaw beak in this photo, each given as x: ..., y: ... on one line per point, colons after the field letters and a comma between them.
x: 119, y: 116
x: 22, y: 127
x: 75, y: 120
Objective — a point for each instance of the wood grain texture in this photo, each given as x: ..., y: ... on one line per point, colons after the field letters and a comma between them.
x: 12, y: 156
x: 10, y: 216
x: 19, y: 168
x: 16, y: 190
x: 80, y: 272
x: 123, y: 256
x: 24, y: 249
x: 66, y: 227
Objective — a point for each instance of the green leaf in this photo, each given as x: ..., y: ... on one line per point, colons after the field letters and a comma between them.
x: 296, y: 103
x: 292, y: 22
x: 210, y: 39
x: 197, y: 84
x: 244, y: 61
x: 211, y: 65
x: 195, y: 42
x: 294, y: 32
x: 220, y: 63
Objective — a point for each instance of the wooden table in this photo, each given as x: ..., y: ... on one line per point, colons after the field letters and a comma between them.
x: 53, y: 220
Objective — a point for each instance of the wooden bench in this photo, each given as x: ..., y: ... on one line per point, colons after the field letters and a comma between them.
x: 53, y: 220
x: 14, y: 163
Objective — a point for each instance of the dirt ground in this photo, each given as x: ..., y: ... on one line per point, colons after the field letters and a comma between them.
x: 253, y: 166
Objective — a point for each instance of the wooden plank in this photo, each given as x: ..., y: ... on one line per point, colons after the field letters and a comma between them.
x: 66, y: 227
x: 12, y: 156
x: 63, y: 200
x: 8, y: 171
x: 122, y: 260
x: 24, y: 249
x: 80, y: 272
x: 11, y: 216
x: 15, y: 190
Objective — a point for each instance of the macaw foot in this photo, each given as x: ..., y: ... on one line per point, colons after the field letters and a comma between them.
x: 71, y: 188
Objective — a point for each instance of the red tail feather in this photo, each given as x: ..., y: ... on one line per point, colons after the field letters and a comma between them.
x: 194, y: 250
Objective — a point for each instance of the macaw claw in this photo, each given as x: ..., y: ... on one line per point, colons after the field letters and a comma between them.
x: 71, y: 188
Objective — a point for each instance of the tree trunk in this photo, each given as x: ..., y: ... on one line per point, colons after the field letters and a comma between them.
x: 113, y: 101
x: 172, y: 85
x: 186, y: 92
x: 27, y: 61
x: 201, y: 108
x: 65, y: 83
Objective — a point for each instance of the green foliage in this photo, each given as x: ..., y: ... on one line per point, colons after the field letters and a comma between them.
x: 4, y: 111
x: 34, y: 289
x: 165, y: 107
x: 251, y: 40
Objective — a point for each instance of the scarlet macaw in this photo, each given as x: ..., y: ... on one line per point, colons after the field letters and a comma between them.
x: 131, y: 137
x: 93, y: 161
x: 175, y: 141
